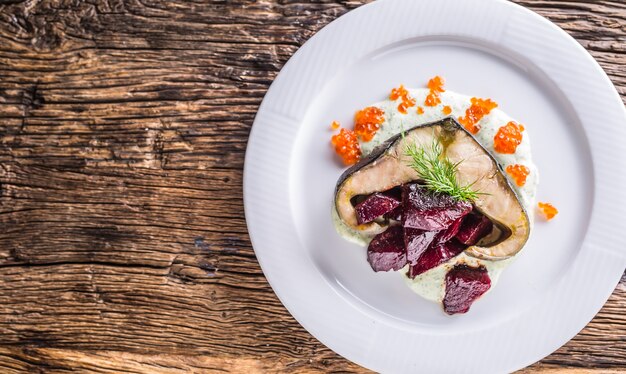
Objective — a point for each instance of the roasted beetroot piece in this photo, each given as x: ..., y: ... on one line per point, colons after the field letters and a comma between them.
x: 435, y: 255
x: 464, y: 284
x: 394, y: 193
x: 386, y: 251
x: 450, y: 232
x: 375, y: 206
x: 473, y: 228
x: 430, y: 211
x: 416, y: 242
x: 395, y: 214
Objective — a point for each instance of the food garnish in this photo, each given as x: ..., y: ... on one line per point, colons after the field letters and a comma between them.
x: 476, y: 111
x: 420, y: 110
x: 548, y: 210
x: 335, y: 125
x: 518, y: 173
x: 435, y: 85
x: 367, y: 121
x: 403, y: 94
x: 508, y: 138
x: 438, y: 173
x: 347, y: 146
x: 447, y: 110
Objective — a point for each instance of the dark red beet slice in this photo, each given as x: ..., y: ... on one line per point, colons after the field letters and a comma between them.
x: 435, y: 255
x: 416, y: 243
x: 450, y: 232
x: 474, y: 227
x: 394, y: 193
x: 464, y: 285
x: 386, y: 251
x: 395, y: 214
x: 375, y: 206
x: 429, y: 211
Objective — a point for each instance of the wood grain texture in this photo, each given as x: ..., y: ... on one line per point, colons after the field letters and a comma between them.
x: 123, y: 245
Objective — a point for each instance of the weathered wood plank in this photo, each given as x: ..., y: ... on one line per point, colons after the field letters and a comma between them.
x: 123, y: 126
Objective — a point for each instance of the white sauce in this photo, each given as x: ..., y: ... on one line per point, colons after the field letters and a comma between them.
x: 431, y: 284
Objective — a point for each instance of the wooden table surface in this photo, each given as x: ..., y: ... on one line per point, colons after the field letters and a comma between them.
x: 123, y: 244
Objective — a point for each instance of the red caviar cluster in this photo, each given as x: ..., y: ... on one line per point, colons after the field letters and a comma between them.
x: 367, y: 121
x: 476, y: 111
x: 435, y: 85
x: 403, y: 94
x: 518, y: 173
x: 347, y: 146
x: 508, y: 138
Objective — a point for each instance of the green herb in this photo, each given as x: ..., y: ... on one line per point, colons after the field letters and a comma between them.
x: 438, y: 172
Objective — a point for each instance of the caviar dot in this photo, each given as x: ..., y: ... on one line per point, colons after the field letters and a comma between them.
x: 347, y: 146
x: 447, y: 110
x: 334, y: 125
x: 508, y: 138
x: 420, y: 110
x: 548, y: 210
x: 518, y: 173
x: 367, y: 122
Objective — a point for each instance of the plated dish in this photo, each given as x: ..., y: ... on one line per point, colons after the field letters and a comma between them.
x: 537, y: 75
x: 441, y: 189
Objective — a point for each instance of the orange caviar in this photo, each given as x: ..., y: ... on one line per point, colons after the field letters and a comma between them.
x: 334, y: 125
x: 367, y: 121
x: 347, y: 146
x: 548, y: 210
x: 518, y: 173
x: 476, y: 111
x: 420, y: 110
x: 508, y: 138
x: 402, y: 93
x: 447, y: 110
x: 435, y: 85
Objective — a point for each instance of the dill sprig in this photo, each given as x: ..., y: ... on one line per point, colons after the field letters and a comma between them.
x: 438, y: 172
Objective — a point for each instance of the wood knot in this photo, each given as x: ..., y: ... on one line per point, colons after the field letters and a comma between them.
x: 47, y: 38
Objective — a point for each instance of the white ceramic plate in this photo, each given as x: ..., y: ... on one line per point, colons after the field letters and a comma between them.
x: 487, y: 48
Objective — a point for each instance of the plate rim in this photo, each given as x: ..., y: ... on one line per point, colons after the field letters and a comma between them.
x: 280, y: 122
